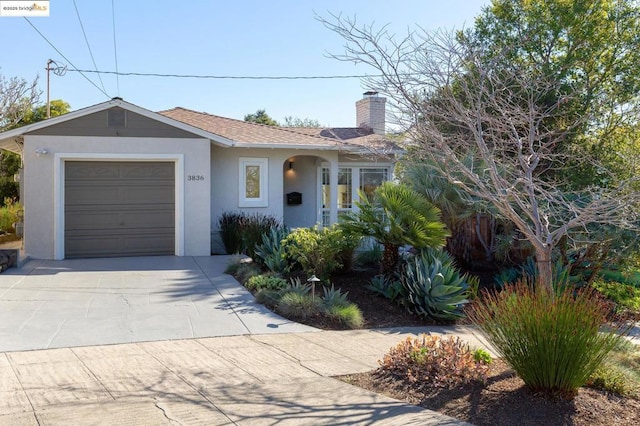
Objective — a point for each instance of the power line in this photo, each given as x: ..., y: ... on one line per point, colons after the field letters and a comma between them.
x: 88, y: 46
x: 230, y: 77
x: 66, y: 59
x: 115, y: 47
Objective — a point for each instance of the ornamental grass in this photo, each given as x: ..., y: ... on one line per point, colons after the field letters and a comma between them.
x: 553, y: 340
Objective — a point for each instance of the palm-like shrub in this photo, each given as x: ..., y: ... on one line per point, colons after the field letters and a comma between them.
x: 553, y: 341
x: 396, y: 216
x: 434, y: 287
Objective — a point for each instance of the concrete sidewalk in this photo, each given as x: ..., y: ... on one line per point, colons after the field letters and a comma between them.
x: 251, y: 379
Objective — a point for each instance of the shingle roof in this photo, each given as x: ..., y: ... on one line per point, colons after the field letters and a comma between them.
x: 352, y: 135
x: 243, y: 132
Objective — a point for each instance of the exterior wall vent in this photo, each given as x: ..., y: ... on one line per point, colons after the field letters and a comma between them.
x: 117, y: 117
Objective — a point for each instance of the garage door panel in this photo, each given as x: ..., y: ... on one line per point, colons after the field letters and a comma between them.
x: 90, y: 195
x: 83, y: 170
x: 119, y: 208
x: 117, y: 245
x: 110, y: 194
x: 136, y: 171
x: 148, y: 195
x: 114, y: 221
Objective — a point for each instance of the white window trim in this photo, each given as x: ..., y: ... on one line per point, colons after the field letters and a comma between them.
x: 263, y: 201
x: 355, y: 183
x: 58, y: 209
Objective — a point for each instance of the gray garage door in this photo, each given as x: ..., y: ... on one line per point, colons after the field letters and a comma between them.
x: 119, y: 208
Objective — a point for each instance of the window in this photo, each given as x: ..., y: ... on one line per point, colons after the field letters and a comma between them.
x: 344, y: 188
x: 253, y: 182
x: 350, y: 179
x: 371, y: 179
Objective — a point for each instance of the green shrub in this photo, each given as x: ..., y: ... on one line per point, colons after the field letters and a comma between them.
x: 552, y: 341
x: 299, y: 306
x: 620, y: 373
x: 316, y: 250
x: 346, y: 315
x: 434, y: 362
x: 433, y: 286
x: 10, y: 213
x: 611, y: 379
x: 628, y: 275
x: 623, y: 295
x: 253, y: 228
x: 268, y: 297
x: 243, y: 270
x: 371, y: 256
x: 271, y: 251
x: 480, y: 355
x: 230, y: 225
x: 562, y: 277
x: 265, y: 282
x: 386, y: 287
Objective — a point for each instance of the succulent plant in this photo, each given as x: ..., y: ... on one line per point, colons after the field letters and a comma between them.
x: 434, y: 287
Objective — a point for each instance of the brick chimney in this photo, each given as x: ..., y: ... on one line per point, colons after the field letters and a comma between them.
x: 370, y: 112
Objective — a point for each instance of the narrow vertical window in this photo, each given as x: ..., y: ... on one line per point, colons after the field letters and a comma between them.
x: 253, y: 182
x: 344, y: 188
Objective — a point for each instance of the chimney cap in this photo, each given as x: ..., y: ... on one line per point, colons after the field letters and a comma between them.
x: 370, y: 93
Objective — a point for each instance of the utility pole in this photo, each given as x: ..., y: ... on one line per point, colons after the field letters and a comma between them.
x: 49, y: 62
x: 57, y: 70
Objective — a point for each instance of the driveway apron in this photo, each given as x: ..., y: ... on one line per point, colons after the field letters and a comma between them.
x: 82, y: 302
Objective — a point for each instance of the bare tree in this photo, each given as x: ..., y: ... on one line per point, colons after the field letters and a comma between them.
x: 489, y: 129
x: 17, y: 97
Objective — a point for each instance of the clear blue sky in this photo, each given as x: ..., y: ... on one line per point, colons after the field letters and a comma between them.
x: 240, y: 38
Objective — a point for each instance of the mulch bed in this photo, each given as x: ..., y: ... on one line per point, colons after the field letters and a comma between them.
x: 504, y: 400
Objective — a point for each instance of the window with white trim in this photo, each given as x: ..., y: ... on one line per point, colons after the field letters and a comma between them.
x: 350, y: 180
x: 253, y: 182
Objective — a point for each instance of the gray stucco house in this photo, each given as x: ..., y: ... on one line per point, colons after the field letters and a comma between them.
x: 115, y: 179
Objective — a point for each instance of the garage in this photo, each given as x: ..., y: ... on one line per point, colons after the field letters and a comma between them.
x: 119, y: 208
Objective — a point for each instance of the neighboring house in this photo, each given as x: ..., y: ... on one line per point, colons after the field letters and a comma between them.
x: 115, y: 179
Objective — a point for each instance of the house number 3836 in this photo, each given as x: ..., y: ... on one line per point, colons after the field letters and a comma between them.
x: 195, y: 178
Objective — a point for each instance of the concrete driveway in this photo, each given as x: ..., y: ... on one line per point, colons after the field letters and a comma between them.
x: 70, y: 303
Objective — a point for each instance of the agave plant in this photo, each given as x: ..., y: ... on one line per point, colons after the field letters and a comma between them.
x: 434, y: 286
x: 334, y: 297
x: 271, y: 252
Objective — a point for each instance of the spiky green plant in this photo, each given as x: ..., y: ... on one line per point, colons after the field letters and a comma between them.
x: 552, y: 340
x: 334, y: 297
x: 434, y: 287
x: 396, y: 216
x: 386, y: 286
x: 271, y: 251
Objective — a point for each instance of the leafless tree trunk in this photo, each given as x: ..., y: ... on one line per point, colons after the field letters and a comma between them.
x: 488, y: 130
x: 17, y: 97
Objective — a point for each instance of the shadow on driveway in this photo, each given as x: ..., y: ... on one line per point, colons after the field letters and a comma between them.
x: 80, y: 302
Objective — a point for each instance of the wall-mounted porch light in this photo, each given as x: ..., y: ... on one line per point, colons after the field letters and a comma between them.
x: 41, y: 151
